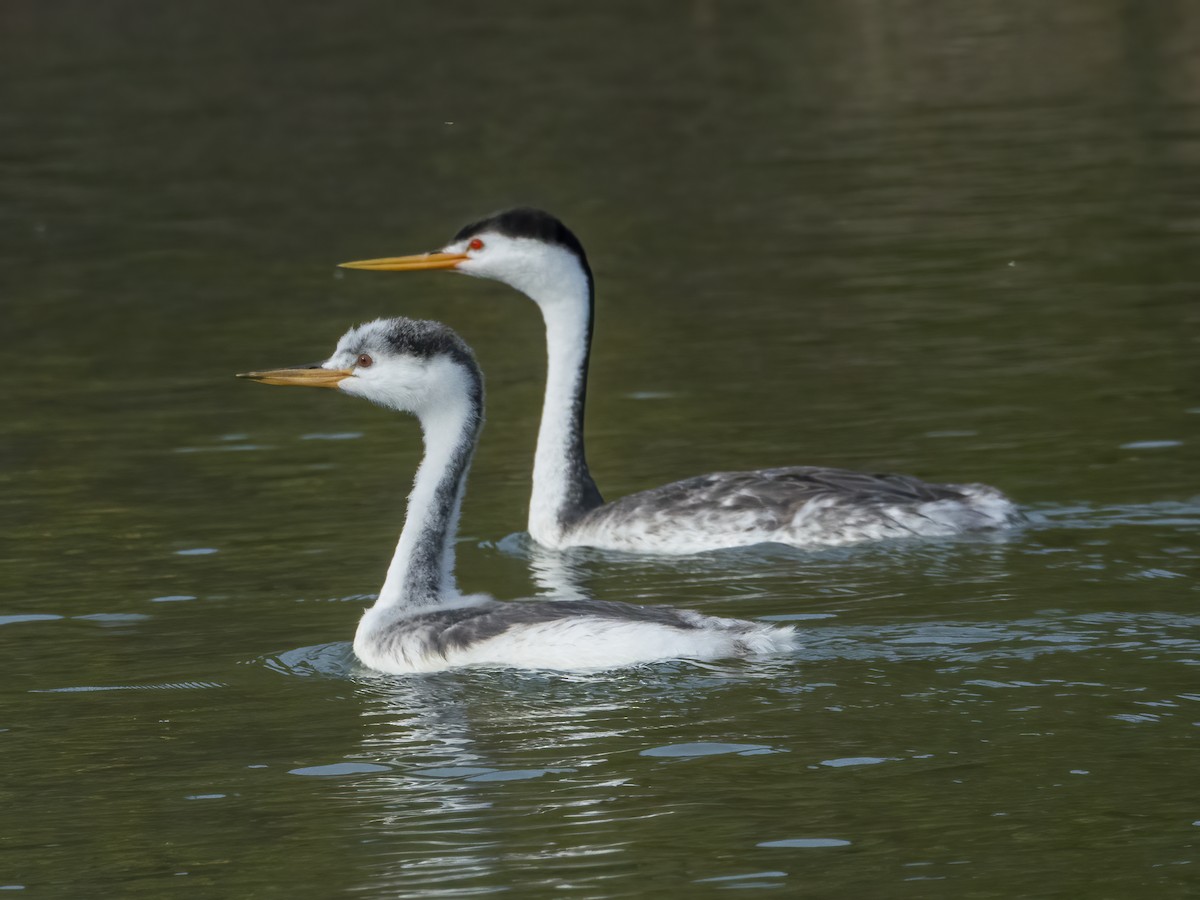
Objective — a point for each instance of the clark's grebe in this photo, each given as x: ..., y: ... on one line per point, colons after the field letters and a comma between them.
x: 421, y: 622
x: 532, y: 251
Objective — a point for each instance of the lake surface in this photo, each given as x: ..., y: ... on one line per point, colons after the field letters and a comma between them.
x: 955, y: 242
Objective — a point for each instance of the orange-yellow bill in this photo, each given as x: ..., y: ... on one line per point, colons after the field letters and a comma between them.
x: 408, y: 263
x: 300, y: 377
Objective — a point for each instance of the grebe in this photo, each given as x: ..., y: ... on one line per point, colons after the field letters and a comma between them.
x: 421, y: 623
x: 533, y: 252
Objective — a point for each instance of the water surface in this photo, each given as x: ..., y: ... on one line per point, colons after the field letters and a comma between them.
x: 953, y: 242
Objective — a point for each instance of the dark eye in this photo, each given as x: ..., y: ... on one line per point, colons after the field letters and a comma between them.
x: 365, y: 361
x: 476, y: 244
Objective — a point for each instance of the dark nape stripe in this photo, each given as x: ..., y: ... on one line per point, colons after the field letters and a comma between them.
x: 585, y: 495
x: 423, y: 580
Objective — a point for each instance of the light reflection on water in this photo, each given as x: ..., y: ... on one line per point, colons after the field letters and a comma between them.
x: 441, y: 749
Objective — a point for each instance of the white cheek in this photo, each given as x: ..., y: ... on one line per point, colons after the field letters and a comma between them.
x: 352, y: 386
x: 478, y: 268
x: 547, y: 275
x: 396, y: 384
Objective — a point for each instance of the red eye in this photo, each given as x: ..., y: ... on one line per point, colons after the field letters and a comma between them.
x: 476, y: 244
x: 364, y: 361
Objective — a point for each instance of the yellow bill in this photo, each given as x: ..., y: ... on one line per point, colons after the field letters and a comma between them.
x: 301, y: 376
x: 408, y: 263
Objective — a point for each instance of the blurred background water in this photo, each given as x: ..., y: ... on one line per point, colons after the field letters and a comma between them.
x: 958, y: 241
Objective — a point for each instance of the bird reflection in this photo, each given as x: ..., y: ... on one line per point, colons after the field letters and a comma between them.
x: 440, y: 819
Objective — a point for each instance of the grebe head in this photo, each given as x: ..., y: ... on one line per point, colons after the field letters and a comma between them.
x: 527, y: 249
x: 408, y: 365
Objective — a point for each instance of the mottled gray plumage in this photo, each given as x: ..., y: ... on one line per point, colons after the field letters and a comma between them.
x: 772, y: 500
x: 781, y: 492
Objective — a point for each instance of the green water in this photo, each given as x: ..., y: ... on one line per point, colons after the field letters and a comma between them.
x: 958, y: 241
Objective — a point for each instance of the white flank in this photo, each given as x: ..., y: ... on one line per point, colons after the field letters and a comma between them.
x: 582, y: 643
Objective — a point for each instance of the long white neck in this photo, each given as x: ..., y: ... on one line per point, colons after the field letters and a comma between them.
x: 421, y: 574
x: 563, y: 489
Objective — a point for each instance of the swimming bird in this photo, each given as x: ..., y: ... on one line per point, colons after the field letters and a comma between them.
x: 421, y: 622
x: 533, y: 252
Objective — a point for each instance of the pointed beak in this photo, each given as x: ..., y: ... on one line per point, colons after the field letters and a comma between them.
x: 300, y: 376
x: 408, y: 263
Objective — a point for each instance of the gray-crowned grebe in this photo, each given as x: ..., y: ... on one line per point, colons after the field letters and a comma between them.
x: 421, y: 622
